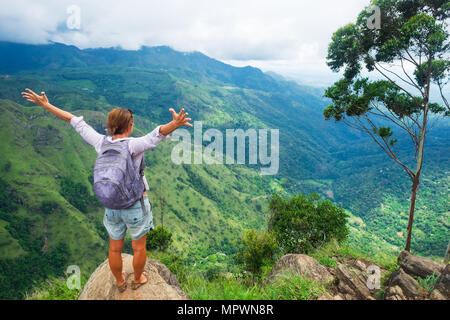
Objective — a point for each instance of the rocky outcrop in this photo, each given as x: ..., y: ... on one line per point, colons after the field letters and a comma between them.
x: 350, y: 280
x: 442, y: 286
x: 302, y: 265
x: 353, y: 283
x: 162, y: 284
x: 419, y: 266
x: 402, y: 284
x: 327, y: 296
x: 394, y: 293
x: 347, y: 282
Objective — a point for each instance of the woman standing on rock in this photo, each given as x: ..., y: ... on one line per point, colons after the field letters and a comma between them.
x: 120, y: 125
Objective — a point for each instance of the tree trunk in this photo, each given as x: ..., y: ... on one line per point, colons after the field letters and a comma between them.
x: 411, y: 212
x: 416, y: 179
x: 447, y: 254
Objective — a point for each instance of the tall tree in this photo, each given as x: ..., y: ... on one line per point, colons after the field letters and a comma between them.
x: 406, y: 44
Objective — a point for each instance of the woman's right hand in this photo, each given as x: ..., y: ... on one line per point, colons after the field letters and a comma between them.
x: 35, y: 98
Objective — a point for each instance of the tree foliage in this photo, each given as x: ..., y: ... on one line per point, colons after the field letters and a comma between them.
x: 412, y: 35
x: 159, y: 239
x: 255, y: 250
x: 301, y: 223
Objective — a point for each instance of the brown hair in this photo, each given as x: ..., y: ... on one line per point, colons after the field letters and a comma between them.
x: 119, y: 120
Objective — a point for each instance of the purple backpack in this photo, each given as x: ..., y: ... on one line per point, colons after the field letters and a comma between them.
x: 117, y: 183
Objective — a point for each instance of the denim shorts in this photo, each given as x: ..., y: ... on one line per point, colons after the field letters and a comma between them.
x: 118, y: 221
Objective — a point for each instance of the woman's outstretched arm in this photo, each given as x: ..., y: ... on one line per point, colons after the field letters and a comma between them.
x: 179, y: 120
x: 43, y: 102
x: 151, y: 140
x: 86, y: 131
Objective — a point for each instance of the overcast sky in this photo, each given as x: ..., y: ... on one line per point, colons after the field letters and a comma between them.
x: 288, y: 37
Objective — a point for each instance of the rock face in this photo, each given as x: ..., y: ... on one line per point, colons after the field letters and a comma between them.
x: 402, y: 285
x: 353, y: 278
x: 394, y: 293
x: 299, y: 264
x: 442, y: 286
x: 161, y: 285
x: 419, y: 266
x: 353, y: 283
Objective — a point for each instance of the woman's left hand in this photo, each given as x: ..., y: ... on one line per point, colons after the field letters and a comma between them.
x: 180, y: 119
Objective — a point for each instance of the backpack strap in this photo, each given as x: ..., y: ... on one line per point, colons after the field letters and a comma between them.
x: 143, y: 205
x: 141, y: 172
x: 142, y: 166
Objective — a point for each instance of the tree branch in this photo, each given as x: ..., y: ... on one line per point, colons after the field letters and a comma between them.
x: 413, y: 83
x: 395, y: 74
x: 395, y: 84
x: 388, y: 151
x: 442, y: 95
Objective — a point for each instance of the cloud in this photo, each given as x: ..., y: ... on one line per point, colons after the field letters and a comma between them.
x: 285, y: 36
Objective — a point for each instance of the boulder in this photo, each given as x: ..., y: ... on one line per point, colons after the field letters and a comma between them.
x: 325, y: 296
x: 443, y: 283
x: 408, y: 285
x: 437, y: 295
x: 161, y: 285
x: 419, y: 266
x: 352, y: 283
x: 300, y: 264
x: 394, y: 293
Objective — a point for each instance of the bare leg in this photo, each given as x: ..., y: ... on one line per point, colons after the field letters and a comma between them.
x: 139, y: 259
x: 115, y: 259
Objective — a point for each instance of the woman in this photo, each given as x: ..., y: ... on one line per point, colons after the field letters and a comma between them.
x: 119, y: 127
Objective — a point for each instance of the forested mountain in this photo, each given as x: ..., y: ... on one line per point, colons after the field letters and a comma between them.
x: 50, y: 215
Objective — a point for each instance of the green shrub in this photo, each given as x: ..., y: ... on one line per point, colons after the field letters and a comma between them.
x: 49, y: 206
x: 159, y: 239
x: 255, y: 250
x: 173, y: 261
x: 301, y: 223
x: 214, y: 271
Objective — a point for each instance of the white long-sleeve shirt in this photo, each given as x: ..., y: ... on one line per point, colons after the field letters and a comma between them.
x: 136, y: 146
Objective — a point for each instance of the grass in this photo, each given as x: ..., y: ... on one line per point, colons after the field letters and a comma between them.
x: 236, y: 285
x: 326, y: 254
x: 292, y: 287
x: 11, y: 248
x: 428, y: 283
x: 286, y: 287
x: 54, y: 289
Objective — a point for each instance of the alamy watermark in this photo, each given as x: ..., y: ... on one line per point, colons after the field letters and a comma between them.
x: 374, y: 20
x: 73, y: 20
x: 74, y: 280
x: 373, y: 280
x: 186, y: 152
